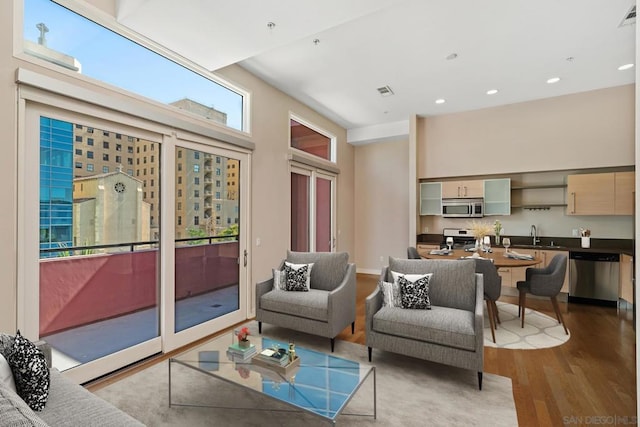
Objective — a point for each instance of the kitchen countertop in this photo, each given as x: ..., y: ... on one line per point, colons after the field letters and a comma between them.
x: 572, y: 244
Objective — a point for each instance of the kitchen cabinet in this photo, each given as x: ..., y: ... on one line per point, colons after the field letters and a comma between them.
x: 625, y: 185
x: 462, y: 189
x: 601, y: 193
x: 430, y: 198
x: 497, y: 196
x: 626, y: 278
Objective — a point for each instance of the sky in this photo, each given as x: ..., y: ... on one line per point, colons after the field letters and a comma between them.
x: 111, y: 58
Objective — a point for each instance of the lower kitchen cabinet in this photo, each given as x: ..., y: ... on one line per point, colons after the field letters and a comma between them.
x: 511, y: 276
x: 626, y: 278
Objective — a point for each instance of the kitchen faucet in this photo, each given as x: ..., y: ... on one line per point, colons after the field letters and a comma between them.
x: 534, y: 234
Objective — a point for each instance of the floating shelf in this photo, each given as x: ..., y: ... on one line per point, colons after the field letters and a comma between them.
x: 534, y: 187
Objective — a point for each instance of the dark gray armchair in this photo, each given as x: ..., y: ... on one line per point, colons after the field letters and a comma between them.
x: 492, y: 290
x: 544, y: 282
x: 325, y: 310
x: 412, y: 253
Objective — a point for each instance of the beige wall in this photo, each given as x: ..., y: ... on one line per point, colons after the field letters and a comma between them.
x: 584, y: 130
x: 269, y: 172
x: 382, y: 208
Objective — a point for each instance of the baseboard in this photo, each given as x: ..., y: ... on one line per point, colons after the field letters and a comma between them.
x: 368, y: 271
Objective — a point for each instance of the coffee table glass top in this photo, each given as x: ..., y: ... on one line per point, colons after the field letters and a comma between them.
x: 323, y: 384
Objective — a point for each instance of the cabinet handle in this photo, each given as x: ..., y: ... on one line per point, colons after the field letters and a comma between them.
x: 458, y: 191
x: 465, y: 191
x: 573, y: 199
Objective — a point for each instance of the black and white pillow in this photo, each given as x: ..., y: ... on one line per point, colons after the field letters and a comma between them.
x: 414, y: 291
x: 298, y: 277
x: 390, y: 294
x: 279, y: 280
x: 30, y: 372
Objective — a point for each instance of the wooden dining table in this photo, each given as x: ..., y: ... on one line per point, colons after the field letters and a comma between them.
x: 499, y: 260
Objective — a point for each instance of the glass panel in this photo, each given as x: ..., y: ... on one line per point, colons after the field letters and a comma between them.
x: 69, y: 40
x: 323, y: 215
x: 207, y: 243
x: 98, y: 243
x: 300, y: 229
x: 308, y: 140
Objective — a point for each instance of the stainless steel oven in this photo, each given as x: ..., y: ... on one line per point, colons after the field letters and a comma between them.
x: 462, y: 208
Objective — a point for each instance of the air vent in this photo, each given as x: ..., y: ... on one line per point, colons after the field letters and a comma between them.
x: 630, y: 17
x: 385, y: 91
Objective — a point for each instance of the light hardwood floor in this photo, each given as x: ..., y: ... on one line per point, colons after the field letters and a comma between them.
x: 591, y: 379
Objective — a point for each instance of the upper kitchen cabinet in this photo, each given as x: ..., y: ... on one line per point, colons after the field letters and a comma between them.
x: 497, y: 196
x: 591, y: 194
x: 625, y: 185
x: 601, y: 193
x: 430, y: 198
x: 461, y: 189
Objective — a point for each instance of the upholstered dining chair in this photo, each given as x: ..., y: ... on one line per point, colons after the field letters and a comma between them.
x: 492, y: 291
x: 545, y: 282
x: 412, y: 253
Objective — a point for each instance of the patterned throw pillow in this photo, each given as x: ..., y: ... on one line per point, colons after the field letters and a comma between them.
x: 390, y: 294
x: 415, y: 293
x: 279, y: 280
x: 297, y: 278
x: 30, y: 372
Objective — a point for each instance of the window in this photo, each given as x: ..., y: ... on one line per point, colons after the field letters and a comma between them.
x: 118, y: 159
x: 218, y: 160
x: 105, y: 157
x: 179, y: 192
x: 89, y: 141
x: 78, y: 138
x: 196, y: 180
x: 218, y: 172
x: 179, y: 166
x: 179, y: 154
x: 196, y: 155
x: 196, y: 193
x: 130, y: 172
x: 196, y: 220
x: 118, y: 136
x: 152, y: 182
x: 152, y: 159
x: 196, y: 206
x: 144, y: 148
x: 179, y: 180
x: 89, y: 167
x: 89, y: 154
x: 311, y: 141
x: 78, y: 165
x: 105, y: 144
x: 105, y: 169
x: 105, y: 133
x: 196, y: 168
x: 218, y: 206
x: 179, y: 206
x: 78, y: 152
x: 218, y: 195
x: 130, y: 161
x: 89, y: 130
x: 130, y: 150
x: 179, y: 220
x: 217, y: 183
x: 118, y: 147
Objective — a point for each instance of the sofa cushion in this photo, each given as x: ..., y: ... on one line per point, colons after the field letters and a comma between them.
x: 6, y: 375
x: 279, y: 280
x: 451, y: 282
x: 6, y: 344
x: 414, y: 291
x: 440, y: 325
x: 15, y: 412
x: 328, y: 270
x: 312, y: 304
x: 72, y: 405
x: 30, y: 372
x: 297, y: 277
x: 390, y: 294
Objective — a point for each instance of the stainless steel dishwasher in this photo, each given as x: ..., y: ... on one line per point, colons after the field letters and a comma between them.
x: 594, y: 278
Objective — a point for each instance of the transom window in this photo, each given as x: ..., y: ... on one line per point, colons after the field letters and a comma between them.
x: 310, y: 140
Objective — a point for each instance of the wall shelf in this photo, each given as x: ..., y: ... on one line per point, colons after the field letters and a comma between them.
x: 536, y: 206
x: 535, y: 187
x: 541, y: 206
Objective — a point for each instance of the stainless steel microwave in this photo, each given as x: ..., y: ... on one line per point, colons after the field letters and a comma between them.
x: 462, y: 208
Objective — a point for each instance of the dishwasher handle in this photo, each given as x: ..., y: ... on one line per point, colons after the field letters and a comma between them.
x: 595, y: 256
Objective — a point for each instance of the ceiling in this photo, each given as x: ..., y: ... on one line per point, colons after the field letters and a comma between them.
x: 333, y: 55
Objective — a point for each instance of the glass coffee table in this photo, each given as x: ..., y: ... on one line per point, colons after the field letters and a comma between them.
x: 322, y: 385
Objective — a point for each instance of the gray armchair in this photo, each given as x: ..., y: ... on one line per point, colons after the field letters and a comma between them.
x: 451, y: 332
x: 412, y: 253
x: 544, y: 282
x: 325, y: 310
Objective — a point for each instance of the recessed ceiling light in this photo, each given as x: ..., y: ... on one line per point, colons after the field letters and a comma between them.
x: 492, y: 91
x: 625, y: 67
x: 440, y: 101
x: 553, y: 80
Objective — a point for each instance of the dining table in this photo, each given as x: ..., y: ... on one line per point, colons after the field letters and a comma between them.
x: 499, y: 259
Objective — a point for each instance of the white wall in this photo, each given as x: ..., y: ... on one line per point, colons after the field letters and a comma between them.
x: 381, y: 206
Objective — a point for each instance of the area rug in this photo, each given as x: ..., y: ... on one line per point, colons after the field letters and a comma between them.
x: 540, y: 330
x: 410, y: 392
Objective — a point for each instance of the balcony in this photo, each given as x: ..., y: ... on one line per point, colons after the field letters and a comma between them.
x: 89, y: 300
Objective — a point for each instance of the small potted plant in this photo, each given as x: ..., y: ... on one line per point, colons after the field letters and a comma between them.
x: 243, y: 337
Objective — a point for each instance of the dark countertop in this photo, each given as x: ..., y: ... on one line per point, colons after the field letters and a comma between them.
x: 572, y: 244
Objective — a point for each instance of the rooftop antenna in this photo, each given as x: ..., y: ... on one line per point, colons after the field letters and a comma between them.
x: 42, y: 40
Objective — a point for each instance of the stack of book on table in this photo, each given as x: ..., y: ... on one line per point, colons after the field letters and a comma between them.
x: 276, y: 359
x: 240, y: 354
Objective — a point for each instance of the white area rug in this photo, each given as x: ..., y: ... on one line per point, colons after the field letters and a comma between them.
x: 540, y: 330
x: 410, y: 392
